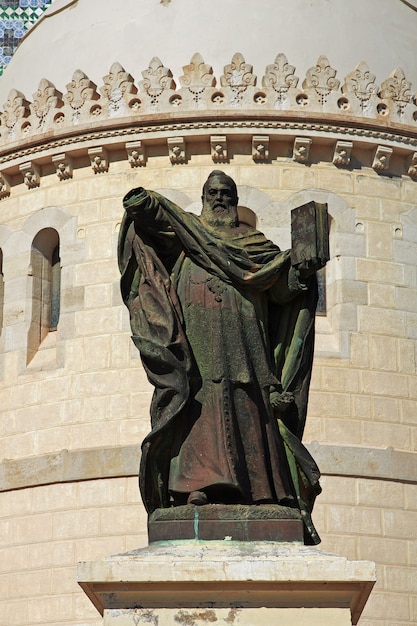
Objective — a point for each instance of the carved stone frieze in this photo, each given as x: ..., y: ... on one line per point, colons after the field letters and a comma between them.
x: 238, y: 76
x: 396, y: 87
x: 136, y: 153
x: 321, y: 79
x: 382, y: 158
x: 176, y: 150
x: 260, y: 147
x: 280, y: 74
x: 396, y: 90
x: 46, y: 100
x: 63, y: 165
x: 99, y: 160
x: 279, y: 77
x: 16, y: 109
x: 118, y: 91
x: 320, y: 93
x: 218, y: 146
x: 80, y: 91
x: 31, y: 174
x: 301, y: 150
x: 4, y: 186
x: 157, y: 79
x: 360, y: 83
x: 385, y: 117
x: 197, y: 74
x: 342, y: 153
x: 238, y: 73
x: 412, y: 165
x: 197, y: 82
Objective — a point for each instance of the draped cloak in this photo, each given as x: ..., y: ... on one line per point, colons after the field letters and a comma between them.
x: 220, y: 319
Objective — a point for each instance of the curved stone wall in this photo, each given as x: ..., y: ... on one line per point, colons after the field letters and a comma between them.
x: 289, y: 129
x: 74, y: 416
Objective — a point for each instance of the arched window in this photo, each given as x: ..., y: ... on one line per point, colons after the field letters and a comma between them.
x: 45, y: 270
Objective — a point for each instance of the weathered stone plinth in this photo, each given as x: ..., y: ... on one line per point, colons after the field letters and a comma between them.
x: 228, y: 583
x: 226, y: 522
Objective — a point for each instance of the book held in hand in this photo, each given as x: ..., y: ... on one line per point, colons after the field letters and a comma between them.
x: 310, y: 234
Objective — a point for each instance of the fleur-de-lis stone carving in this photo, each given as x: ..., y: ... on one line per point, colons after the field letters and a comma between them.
x: 117, y: 82
x: 157, y: 77
x: 396, y: 87
x: 47, y: 97
x: 280, y: 74
x: 197, y: 74
x: 79, y: 90
x: 238, y: 73
x: 16, y: 108
x: 360, y: 82
x: 321, y: 78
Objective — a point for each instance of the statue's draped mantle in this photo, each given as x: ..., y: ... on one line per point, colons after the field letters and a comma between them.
x: 148, y: 286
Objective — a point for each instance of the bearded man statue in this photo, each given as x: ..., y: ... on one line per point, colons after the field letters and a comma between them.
x: 225, y: 328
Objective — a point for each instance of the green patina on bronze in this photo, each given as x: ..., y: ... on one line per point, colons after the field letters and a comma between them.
x: 225, y: 328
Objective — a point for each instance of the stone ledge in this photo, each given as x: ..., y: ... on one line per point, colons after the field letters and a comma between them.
x: 280, y: 132
x: 116, y: 462
x: 227, y: 574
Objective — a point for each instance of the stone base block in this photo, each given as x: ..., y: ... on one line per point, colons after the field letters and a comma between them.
x: 231, y: 522
x: 227, y: 583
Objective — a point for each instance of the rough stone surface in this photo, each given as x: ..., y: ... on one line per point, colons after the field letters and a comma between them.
x: 226, y: 575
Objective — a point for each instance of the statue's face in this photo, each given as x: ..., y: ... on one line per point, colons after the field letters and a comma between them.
x: 219, y: 198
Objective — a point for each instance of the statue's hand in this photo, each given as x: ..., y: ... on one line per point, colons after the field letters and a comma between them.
x: 281, y: 400
x: 309, y: 267
x: 135, y: 200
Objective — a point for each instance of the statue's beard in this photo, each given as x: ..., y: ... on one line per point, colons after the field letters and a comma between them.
x: 218, y: 221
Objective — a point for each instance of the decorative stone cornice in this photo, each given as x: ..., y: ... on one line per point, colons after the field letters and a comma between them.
x: 359, y: 97
x: 89, y: 120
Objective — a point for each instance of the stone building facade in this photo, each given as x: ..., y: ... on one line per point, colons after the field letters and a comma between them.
x: 74, y: 397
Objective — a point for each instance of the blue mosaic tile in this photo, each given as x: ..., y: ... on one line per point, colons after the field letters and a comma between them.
x: 16, y: 17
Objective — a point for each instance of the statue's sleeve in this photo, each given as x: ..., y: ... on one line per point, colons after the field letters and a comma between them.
x: 146, y: 245
x: 150, y: 218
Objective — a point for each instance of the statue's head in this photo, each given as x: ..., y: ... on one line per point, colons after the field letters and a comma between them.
x: 220, y: 200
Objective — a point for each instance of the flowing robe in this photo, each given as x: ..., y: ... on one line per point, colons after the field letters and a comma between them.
x: 220, y: 320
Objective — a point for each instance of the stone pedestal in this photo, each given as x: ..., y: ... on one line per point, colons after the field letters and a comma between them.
x: 234, y: 522
x: 228, y: 583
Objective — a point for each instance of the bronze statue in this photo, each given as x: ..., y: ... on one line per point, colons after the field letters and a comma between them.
x: 225, y: 327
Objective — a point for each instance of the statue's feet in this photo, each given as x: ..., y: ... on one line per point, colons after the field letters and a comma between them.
x: 198, y: 498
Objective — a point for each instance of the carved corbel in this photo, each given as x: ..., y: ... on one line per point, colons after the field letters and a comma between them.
x: 135, y: 153
x: 31, y: 174
x: 176, y: 149
x: 99, y: 160
x: 382, y: 158
x: 342, y: 153
x: 218, y: 147
x: 260, y: 147
x: 301, y: 151
x: 4, y: 186
x: 63, y: 165
x: 412, y: 166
